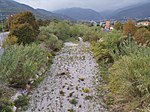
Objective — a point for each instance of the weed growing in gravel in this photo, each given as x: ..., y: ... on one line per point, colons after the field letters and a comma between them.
x: 86, y: 90
x: 62, y: 93
x: 73, y: 101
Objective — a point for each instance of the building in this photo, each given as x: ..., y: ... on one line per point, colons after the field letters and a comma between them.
x: 143, y: 23
x: 108, y: 24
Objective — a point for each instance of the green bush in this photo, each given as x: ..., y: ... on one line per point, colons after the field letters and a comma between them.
x: 125, y: 69
x: 129, y: 81
x: 79, y: 30
x: 6, y: 105
x: 22, y: 102
x: 60, y: 29
x: 19, y: 64
x: 128, y: 77
x: 50, y: 40
x: 109, y: 43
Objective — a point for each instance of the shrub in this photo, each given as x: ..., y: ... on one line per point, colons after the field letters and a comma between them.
x: 22, y: 102
x: 142, y: 36
x: 24, y: 33
x: 129, y: 80
x: 118, y: 26
x: 127, y: 73
x: 79, y: 30
x: 53, y: 43
x: 19, y: 64
x: 86, y: 90
x: 60, y: 29
x: 24, y: 27
x: 129, y: 28
x: 50, y: 40
x: 10, y: 41
x: 73, y: 101
x: 6, y: 105
x: 109, y: 43
x: 92, y: 36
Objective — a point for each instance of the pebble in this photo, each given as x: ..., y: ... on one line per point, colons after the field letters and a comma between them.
x: 77, y: 62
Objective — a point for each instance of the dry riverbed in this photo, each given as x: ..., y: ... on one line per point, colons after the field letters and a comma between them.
x: 69, y: 86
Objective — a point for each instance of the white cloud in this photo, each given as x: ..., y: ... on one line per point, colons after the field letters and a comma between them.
x: 93, y: 4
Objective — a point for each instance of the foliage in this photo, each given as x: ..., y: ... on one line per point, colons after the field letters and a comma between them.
x: 10, y: 41
x: 118, y: 26
x: 92, y: 36
x: 86, y: 90
x: 78, y: 30
x: 6, y: 105
x: 108, y: 44
x: 73, y: 101
x: 24, y: 33
x: 129, y: 28
x: 41, y: 22
x: 129, y: 80
x: 19, y: 64
x: 24, y: 27
x: 60, y: 29
x: 142, y: 36
x: 8, y: 23
x: 22, y: 102
x: 124, y: 68
x: 50, y: 40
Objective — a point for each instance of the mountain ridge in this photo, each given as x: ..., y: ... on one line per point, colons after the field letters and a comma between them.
x: 138, y: 11
x: 8, y: 7
x: 80, y: 13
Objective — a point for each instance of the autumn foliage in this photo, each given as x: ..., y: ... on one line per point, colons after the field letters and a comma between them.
x: 129, y: 28
x: 142, y: 36
x: 24, y: 27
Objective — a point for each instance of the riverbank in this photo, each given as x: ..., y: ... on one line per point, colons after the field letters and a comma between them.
x: 69, y: 85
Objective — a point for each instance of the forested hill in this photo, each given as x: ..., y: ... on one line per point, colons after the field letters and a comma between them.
x: 11, y: 7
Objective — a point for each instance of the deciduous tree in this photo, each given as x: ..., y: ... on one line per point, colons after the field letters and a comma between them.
x: 142, y: 36
x: 24, y: 27
x: 129, y: 28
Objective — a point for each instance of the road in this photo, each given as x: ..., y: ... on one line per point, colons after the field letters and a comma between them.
x: 2, y: 37
x: 69, y: 86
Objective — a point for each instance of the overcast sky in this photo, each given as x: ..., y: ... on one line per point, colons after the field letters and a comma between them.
x: 98, y: 5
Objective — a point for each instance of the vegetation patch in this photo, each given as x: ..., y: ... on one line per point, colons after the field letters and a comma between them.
x: 88, y: 97
x: 62, y: 93
x: 73, y: 101
x: 86, y: 90
x: 22, y: 102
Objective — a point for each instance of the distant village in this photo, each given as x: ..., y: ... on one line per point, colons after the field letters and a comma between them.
x: 108, y: 25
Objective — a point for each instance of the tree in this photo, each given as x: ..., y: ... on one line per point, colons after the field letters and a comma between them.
x: 129, y: 28
x: 24, y: 27
x: 142, y: 36
x: 24, y: 33
x: 118, y: 26
x: 43, y: 22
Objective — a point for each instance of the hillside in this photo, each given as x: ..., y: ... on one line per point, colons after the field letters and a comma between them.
x: 139, y: 11
x: 48, y: 14
x: 11, y: 7
x: 80, y: 13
